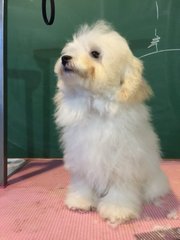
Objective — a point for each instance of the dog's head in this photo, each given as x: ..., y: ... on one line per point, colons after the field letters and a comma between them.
x: 100, y: 60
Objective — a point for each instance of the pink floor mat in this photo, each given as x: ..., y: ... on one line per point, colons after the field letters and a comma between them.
x: 32, y: 208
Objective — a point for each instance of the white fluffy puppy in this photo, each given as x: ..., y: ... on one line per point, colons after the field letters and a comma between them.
x: 110, y: 147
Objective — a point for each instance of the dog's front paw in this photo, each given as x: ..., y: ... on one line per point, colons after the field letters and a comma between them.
x: 76, y: 202
x: 116, y: 214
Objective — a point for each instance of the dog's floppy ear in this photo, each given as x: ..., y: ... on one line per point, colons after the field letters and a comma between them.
x: 133, y: 87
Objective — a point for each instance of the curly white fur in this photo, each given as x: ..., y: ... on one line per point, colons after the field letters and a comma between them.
x: 110, y: 147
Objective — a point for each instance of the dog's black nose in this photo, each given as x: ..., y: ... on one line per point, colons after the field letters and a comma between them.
x: 65, y: 59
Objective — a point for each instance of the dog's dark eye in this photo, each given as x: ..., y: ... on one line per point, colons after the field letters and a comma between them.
x: 95, y: 54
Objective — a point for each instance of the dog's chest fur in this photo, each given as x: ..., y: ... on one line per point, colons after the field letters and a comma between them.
x: 101, y: 136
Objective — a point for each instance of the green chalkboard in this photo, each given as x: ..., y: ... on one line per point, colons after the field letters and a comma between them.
x: 153, y: 31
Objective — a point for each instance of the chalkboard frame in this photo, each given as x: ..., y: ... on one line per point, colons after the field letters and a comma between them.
x: 3, y: 142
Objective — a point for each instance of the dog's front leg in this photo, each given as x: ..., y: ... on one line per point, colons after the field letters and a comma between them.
x: 80, y: 196
x: 122, y: 203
